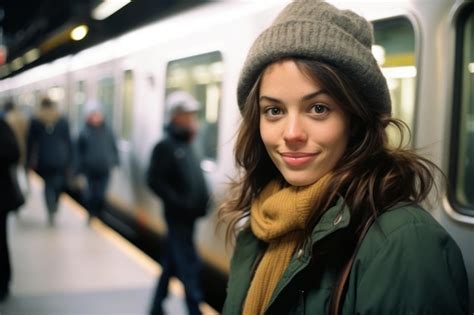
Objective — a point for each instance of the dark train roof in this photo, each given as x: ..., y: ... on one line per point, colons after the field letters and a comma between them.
x: 45, y: 24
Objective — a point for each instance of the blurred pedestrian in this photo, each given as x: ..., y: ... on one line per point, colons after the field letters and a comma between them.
x: 176, y: 177
x: 10, y: 199
x: 49, y: 152
x: 96, y: 156
x: 335, y: 223
x: 18, y: 122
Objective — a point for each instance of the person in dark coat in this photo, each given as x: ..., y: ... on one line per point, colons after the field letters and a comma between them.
x: 176, y: 177
x: 10, y: 199
x: 18, y: 122
x: 97, y: 154
x: 49, y: 152
x: 333, y: 216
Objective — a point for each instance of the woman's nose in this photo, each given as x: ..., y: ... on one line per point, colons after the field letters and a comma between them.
x: 294, y: 130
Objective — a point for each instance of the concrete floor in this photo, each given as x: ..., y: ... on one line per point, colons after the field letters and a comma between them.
x: 75, y: 268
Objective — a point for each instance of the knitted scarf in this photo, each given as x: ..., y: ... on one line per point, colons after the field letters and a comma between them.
x: 278, y: 216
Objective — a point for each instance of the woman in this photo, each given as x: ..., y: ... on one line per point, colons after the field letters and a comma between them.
x: 334, y: 223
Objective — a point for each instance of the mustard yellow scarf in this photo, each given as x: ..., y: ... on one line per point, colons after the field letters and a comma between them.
x: 278, y: 217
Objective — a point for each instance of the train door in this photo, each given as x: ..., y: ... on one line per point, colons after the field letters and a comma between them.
x: 460, y: 203
x: 114, y: 89
x: 124, y: 179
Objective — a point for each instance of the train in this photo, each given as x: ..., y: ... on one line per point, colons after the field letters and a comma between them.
x: 424, y: 48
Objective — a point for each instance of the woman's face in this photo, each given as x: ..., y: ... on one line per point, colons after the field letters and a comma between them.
x: 304, y: 130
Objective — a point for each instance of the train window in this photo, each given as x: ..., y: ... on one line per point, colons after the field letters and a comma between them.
x: 78, y: 115
x: 25, y: 102
x: 105, y: 95
x: 394, y: 50
x: 127, y: 108
x: 37, y: 95
x: 202, y: 77
x: 462, y: 168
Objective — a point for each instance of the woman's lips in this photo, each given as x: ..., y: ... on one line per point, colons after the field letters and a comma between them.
x: 298, y: 159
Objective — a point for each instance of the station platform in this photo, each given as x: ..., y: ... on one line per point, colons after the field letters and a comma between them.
x: 77, y: 268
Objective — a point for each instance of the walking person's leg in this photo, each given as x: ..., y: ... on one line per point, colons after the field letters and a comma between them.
x: 54, y: 186
x: 59, y: 183
x: 188, y: 266
x: 99, y: 193
x: 90, y: 196
x: 50, y: 197
x: 161, y: 292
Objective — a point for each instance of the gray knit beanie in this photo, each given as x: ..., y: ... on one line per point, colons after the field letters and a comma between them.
x: 316, y: 30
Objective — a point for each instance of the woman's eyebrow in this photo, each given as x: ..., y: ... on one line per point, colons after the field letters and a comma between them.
x: 304, y: 98
x: 314, y: 94
x: 268, y: 98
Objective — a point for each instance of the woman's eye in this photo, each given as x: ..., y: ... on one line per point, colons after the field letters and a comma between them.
x: 319, y: 109
x: 273, y: 111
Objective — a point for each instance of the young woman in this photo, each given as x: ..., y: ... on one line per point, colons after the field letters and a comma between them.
x: 334, y: 223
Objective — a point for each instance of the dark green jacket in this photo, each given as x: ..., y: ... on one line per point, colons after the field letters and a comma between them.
x: 407, y: 264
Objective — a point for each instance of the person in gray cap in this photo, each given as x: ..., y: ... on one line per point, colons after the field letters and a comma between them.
x: 335, y: 223
x: 176, y: 177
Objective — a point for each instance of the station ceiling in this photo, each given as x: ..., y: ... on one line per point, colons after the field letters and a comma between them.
x: 42, y: 27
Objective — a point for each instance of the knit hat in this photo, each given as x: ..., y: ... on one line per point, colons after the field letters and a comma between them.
x: 311, y: 29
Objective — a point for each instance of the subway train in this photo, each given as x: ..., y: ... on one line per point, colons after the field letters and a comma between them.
x: 424, y: 48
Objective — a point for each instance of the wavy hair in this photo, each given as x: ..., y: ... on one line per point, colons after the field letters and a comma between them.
x: 371, y: 175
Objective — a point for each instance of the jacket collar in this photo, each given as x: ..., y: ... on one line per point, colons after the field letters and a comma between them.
x: 335, y: 218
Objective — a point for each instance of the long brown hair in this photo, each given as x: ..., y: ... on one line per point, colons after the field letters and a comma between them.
x: 371, y: 175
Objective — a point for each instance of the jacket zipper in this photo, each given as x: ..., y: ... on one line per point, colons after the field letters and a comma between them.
x: 301, y: 298
x: 288, y: 280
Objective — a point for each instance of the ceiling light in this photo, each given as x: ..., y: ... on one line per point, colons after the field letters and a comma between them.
x: 31, y: 55
x: 108, y: 7
x: 79, y: 32
x: 17, y: 64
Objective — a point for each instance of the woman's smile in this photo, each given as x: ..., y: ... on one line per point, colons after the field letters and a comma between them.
x: 298, y: 159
